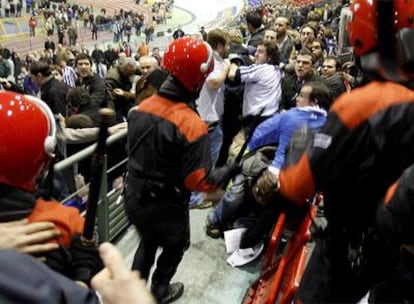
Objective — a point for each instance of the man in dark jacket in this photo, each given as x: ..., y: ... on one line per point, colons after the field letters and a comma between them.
x: 168, y: 158
x: 90, y: 81
x: 110, y: 56
x: 292, y: 83
x: 49, y: 44
x: 254, y: 26
x: 52, y: 91
x: 119, y: 86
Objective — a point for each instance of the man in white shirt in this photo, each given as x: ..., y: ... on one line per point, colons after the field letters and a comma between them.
x: 210, y: 104
x: 263, y: 88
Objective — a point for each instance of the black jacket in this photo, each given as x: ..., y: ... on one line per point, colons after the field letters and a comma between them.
x: 169, y: 156
x: 53, y: 92
x: 96, y: 88
x: 291, y: 87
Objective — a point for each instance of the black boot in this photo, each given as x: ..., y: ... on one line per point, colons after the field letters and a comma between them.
x: 167, y: 293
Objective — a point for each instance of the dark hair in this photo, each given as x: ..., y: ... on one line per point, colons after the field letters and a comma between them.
x: 78, y: 97
x: 272, y: 51
x: 216, y: 37
x: 306, y: 52
x: 320, y: 92
x: 254, y: 19
x: 79, y: 121
x: 315, y: 31
x: 338, y: 64
x: 82, y: 56
x: 41, y: 67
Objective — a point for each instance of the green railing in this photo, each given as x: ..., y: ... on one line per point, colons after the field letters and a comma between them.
x: 111, y: 218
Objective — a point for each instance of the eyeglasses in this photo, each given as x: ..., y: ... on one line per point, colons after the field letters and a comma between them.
x: 328, y: 66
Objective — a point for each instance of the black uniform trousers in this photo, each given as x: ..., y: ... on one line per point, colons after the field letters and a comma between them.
x: 160, y: 213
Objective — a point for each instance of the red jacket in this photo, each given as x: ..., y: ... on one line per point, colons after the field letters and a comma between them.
x: 32, y: 23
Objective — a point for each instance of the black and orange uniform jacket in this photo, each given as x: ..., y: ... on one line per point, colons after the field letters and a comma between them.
x: 396, y: 213
x: 16, y: 204
x: 168, y: 157
x: 366, y: 143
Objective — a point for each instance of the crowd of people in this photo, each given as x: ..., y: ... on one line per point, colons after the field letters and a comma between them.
x: 310, y: 120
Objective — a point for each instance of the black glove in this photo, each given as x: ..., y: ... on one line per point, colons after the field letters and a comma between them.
x: 229, y: 171
x: 85, y: 260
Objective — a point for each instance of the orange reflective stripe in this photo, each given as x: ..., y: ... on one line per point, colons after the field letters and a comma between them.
x: 196, y: 180
x: 178, y: 113
x: 296, y: 181
x: 390, y: 193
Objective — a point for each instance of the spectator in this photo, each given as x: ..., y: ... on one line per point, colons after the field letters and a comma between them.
x: 29, y: 86
x: 5, y: 69
x: 94, y: 30
x: 94, y: 84
x: 262, y: 85
x: 333, y: 78
x: 110, y: 56
x: 293, y: 82
x: 69, y: 76
x: 156, y: 54
x: 254, y: 26
x: 119, y: 86
x: 52, y: 91
x: 79, y: 103
x: 210, y: 103
x: 32, y: 26
x: 203, y: 33
x: 178, y: 33
x: 143, y: 49
x: 49, y: 44
x: 98, y: 58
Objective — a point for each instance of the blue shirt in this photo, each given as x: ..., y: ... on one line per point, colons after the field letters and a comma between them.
x: 279, y: 129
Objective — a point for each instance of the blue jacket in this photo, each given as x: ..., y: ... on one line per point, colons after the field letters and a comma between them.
x: 26, y: 280
x: 29, y: 86
x: 279, y: 129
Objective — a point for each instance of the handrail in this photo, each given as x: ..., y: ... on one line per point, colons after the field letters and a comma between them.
x: 88, y: 151
x: 105, y: 214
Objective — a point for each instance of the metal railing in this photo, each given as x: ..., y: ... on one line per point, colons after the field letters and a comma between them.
x: 111, y: 218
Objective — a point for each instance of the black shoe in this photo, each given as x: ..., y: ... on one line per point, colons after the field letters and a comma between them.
x: 213, y: 230
x: 168, y: 294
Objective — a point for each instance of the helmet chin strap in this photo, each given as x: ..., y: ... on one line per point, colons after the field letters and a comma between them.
x: 206, y: 65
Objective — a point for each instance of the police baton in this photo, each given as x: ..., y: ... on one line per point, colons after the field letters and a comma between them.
x: 98, y: 161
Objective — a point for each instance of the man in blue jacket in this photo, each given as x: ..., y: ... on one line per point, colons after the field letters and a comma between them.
x: 311, y: 105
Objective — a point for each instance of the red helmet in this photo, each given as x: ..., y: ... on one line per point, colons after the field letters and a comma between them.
x: 27, y: 139
x: 366, y: 33
x: 363, y: 29
x: 190, y: 61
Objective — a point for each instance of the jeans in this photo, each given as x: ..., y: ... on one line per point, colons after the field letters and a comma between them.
x: 215, y: 138
x: 229, y: 205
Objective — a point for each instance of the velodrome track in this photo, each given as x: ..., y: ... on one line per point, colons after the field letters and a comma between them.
x: 30, y: 44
